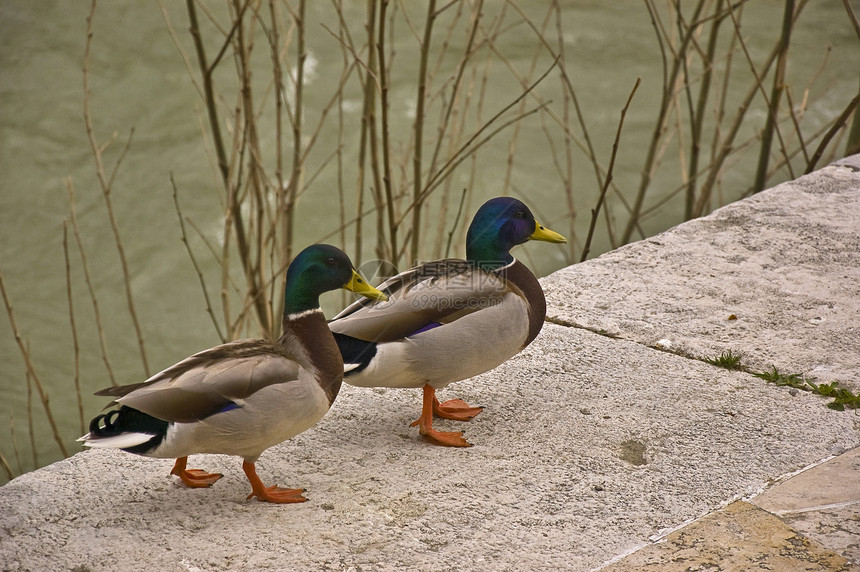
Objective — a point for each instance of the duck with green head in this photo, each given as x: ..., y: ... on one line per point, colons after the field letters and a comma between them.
x: 450, y: 319
x: 245, y: 396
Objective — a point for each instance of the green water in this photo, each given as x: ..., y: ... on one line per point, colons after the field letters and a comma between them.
x: 139, y: 81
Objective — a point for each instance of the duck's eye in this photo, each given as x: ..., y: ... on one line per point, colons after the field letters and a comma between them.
x: 331, y: 261
x: 520, y: 214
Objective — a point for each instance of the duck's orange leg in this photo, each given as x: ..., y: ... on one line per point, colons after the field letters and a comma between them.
x: 425, y: 423
x: 194, y: 478
x: 269, y: 494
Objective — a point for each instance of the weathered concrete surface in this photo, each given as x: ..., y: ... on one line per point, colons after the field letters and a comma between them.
x: 589, y: 446
x: 809, y: 521
x: 738, y: 537
x: 822, y: 503
x: 784, y: 263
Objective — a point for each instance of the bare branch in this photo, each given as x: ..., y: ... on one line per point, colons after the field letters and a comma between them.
x: 596, y: 210
x: 106, y: 189
x: 76, y: 348
x: 196, y: 266
x: 95, y: 303
x: 25, y: 353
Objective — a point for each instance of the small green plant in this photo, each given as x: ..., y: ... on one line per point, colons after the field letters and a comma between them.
x: 782, y: 379
x: 842, y: 396
x: 726, y: 360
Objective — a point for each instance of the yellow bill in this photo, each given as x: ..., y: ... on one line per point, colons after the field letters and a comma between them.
x: 358, y: 285
x: 545, y: 234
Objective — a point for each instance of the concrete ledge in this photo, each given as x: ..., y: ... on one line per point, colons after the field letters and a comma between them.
x: 738, y: 537
x: 822, y: 503
x: 773, y: 278
x: 590, y: 446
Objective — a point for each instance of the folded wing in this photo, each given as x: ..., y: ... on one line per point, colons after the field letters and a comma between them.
x: 208, y: 382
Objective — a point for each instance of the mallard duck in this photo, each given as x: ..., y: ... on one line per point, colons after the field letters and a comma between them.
x: 449, y: 319
x: 245, y: 396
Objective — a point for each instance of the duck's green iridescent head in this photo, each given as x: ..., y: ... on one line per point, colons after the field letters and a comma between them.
x: 317, y: 269
x: 498, y: 226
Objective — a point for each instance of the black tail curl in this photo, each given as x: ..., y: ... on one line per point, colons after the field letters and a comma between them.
x: 109, y: 428
x: 128, y: 420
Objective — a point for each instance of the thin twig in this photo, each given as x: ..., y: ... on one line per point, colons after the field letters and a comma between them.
x: 341, y: 131
x: 255, y: 191
x: 376, y: 47
x: 796, y: 122
x: 671, y: 74
x: 367, y: 80
x: 726, y: 146
x: 280, y: 97
x: 586, y: 144
x: 233, y: 221
x: 15, y: 441
x: 31, y: 424
x: 298, y: 112
x: 472, y: 143
x: 838, y: 124
x: 596, y: 210
x: 853, y: 144
x: 193, y: 258
x: 75, y: 346
x: 852, y: 17
x: 458, y: 79
x: 512, y: 145
x: 418, y: 195
x: 456, y: 222
x: 73, y: 217
x: 386, y: 135
x: 208, y: 89
x: 6, y: 468
x: 467, y: 149
x: 566, y: 172
x: 697, y: 120
x: 106, y: 188
x: 25, y: 353
x: 775, y: 95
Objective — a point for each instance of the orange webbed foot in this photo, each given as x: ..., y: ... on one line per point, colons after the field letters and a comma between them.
x: 274, y: 493
x: 444, y: 438
x: 193, y: 478
x: 455, y: 409
x: 425, y: 422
